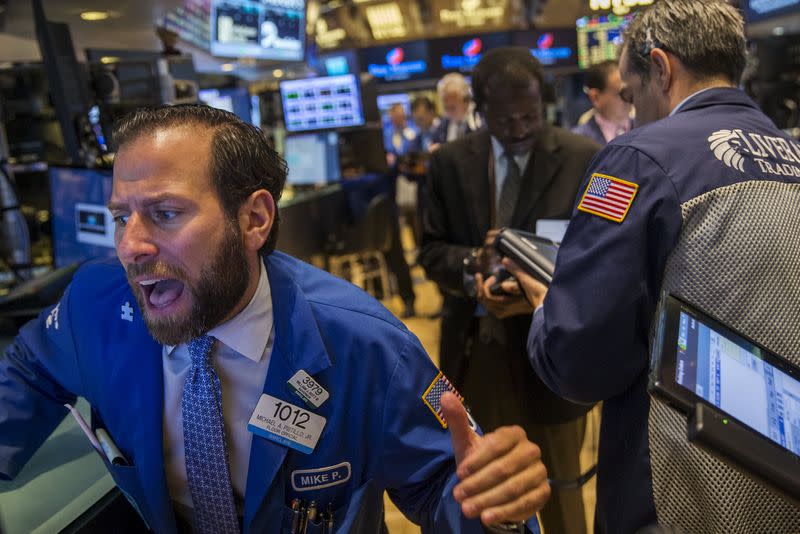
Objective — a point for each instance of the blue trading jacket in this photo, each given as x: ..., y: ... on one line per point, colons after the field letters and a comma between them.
x: 374, y: 369
x: 589, y: 342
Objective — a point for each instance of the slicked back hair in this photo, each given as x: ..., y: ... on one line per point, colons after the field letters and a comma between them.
x: 508, y: 65
x: 242, y: 161
x: 706, y: 35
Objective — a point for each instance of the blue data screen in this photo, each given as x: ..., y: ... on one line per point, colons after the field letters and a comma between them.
x: 732, y: 375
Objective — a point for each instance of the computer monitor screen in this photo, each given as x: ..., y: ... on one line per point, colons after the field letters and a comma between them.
x: 758, y: 10
x: 259, y: 29
x: 312, y: 158
x: 233, y: 99
x: 720, y: 367
x: 82, y: 225
x: 408, y: 61
x: 553, y: 48
x: 461, y: 54
x: 321, y: 103
x: 599, y: 38
x: 338, y: 63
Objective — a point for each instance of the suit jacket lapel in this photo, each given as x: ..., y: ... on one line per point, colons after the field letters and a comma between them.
x: 538, y: 177
x: 297, y: 345
x: 137, y: 378
x: 477, y: 190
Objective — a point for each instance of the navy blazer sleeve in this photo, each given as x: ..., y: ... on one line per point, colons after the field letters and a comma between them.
x: 38, y: 374
x: 584, y: 341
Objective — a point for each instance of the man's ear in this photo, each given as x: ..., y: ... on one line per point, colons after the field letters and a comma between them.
x: 593, y: 94
x: 661, y: 68
x: 256, y: 217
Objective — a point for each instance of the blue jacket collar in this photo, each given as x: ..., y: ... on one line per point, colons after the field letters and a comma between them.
x: 298, y: 345
x: 731, y: 96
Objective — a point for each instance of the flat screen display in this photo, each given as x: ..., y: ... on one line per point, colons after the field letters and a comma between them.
x: 259, y: 29
x: 599, y: 38
x: 234, y: 99
x: 720, y: 366
x: 758, y: 10
x: 461, y: 54
x: 338, y: 63
x: 553, y: 48
x: 83, y: 227
x: 408, y: 61
x: 312, y: 158
x: 321, y: 103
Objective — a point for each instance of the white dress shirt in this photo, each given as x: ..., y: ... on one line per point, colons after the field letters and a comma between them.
x: 501, y: 167
x: 241, y: 358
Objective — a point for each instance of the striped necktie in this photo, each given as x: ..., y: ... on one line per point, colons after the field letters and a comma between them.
x: 509, y: 192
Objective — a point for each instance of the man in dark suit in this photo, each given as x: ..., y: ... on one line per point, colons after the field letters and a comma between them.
x: 514, y: 173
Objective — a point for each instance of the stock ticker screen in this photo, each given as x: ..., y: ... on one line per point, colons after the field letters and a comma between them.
x: 731, y: 374
x: 321, y: 103
x: 599, y: 38
x: 258, y: 29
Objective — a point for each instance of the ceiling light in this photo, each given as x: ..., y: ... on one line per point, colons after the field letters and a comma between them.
x: 227, y: 67
x: 95, y: 15
x: 105, y: 60
x: 386, y: 21
x: 278, y: 73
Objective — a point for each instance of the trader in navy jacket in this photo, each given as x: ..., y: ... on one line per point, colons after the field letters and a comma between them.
x: 701, y: 200
x: 312, y: 396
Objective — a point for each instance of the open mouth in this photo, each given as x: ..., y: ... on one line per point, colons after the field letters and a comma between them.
x: 161, y: 293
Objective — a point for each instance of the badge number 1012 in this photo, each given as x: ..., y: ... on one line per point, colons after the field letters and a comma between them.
x: 287, y: 424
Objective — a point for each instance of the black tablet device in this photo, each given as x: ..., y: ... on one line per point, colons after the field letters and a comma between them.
x: 534, y: 254
x: 742, y: 401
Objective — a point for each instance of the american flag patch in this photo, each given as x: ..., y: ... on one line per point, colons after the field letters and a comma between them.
x: 433, y: 396
x: 608, y: 197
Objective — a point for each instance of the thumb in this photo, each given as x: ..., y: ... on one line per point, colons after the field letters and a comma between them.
x: 461, y: 434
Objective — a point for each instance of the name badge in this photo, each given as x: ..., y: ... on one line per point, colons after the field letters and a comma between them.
x: 308, y: 389
x: 286, y: 424
x: 323, y: 477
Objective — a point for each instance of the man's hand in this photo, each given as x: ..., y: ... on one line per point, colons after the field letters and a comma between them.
x: 534, y: 289
x: 511, y: 303
x: 502, y: 475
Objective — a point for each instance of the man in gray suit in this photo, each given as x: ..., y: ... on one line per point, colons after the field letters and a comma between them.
x: 516, y: 172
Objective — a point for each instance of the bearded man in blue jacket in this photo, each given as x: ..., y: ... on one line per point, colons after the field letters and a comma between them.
x: 237, y: 382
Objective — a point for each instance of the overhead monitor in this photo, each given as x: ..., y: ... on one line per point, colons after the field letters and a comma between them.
x: 553, y: 48
x: 599, y: 38
x: 83, y: 228
x: 338, y: 63
x: 461, y: 54
x: 321, y: 103
x: 408, y: 61
x: 758, y: 10
x: 312, y: 158
x: 234, y: 99
x: 258, y: 29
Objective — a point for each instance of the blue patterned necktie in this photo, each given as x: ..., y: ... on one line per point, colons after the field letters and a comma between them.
x: 204, y: 443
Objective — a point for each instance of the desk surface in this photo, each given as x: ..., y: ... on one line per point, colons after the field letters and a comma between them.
x: 63, y: 479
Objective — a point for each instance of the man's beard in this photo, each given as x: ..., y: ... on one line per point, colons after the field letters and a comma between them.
x: 219, y: 289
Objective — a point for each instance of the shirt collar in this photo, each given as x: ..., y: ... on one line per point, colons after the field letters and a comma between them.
x: 498, y: 151
x: 685, y: 100
x: 248, y: 331
x: 610, y: 128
